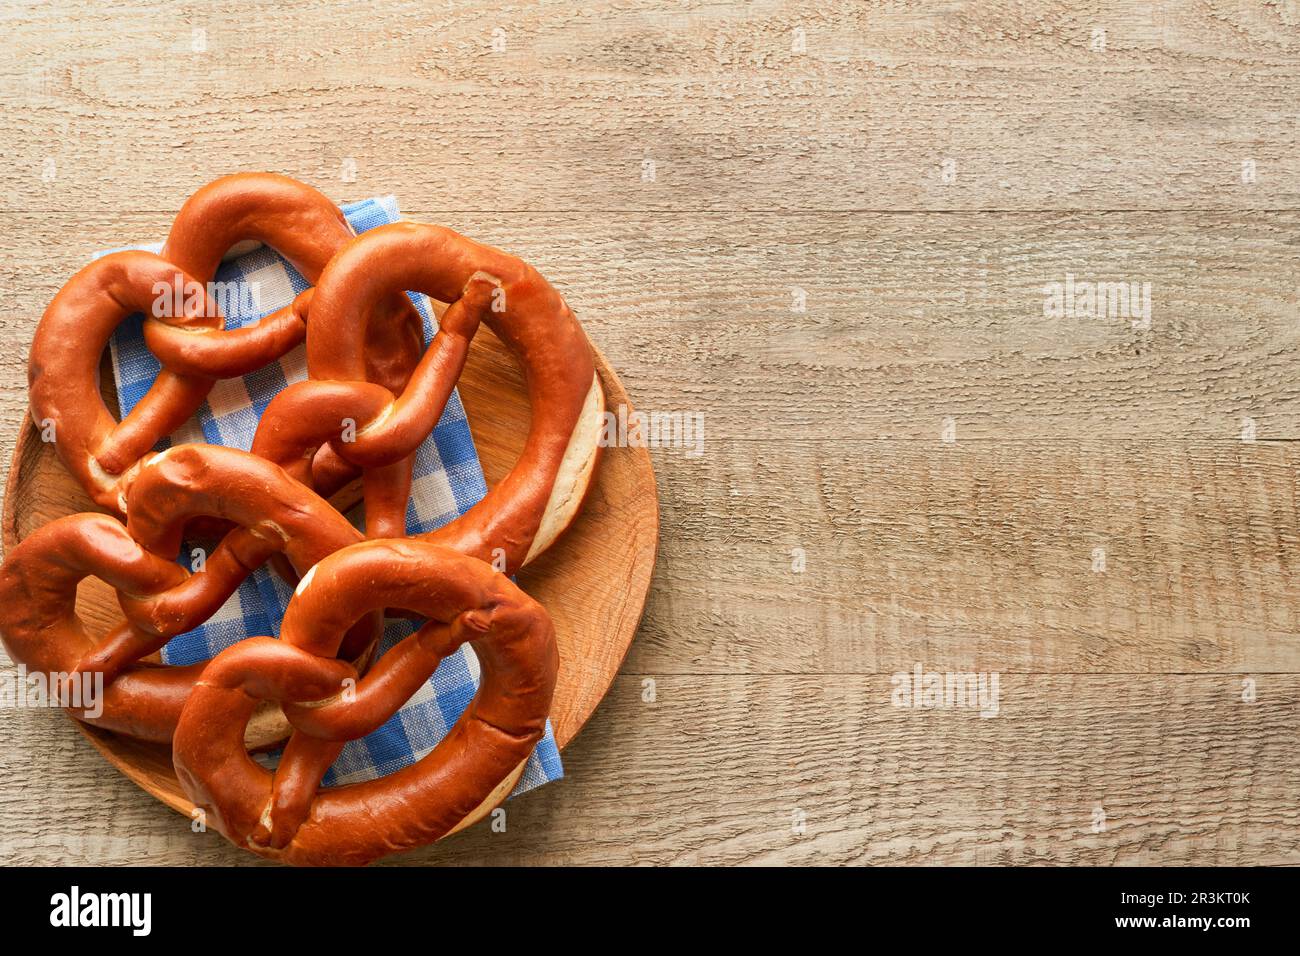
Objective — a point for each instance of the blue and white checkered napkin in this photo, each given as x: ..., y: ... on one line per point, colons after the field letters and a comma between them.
x: 448, y: 481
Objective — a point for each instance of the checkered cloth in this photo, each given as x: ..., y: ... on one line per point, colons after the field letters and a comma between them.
x: 448, y: 480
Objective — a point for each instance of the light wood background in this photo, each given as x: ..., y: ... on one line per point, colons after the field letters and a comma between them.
x: 1123, y: 156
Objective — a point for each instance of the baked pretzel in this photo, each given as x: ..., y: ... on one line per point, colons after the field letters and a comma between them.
x: 368, y: 372
x: 284, y: 815
x: 159, y: 599
x: 194, y: 349
x: 524, y: 513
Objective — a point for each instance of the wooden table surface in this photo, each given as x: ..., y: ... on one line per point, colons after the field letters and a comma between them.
x: 828, y: 228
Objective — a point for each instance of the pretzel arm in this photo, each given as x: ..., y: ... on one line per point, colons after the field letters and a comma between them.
x: 121, y: 648
x: 330, y: 473
x: 195, y: 600
x: 392, y: 680
x: 302, y: 766
x: 170, y: 402
x: 399, y: 429
x: 231, y: 352
x: 387, y: 493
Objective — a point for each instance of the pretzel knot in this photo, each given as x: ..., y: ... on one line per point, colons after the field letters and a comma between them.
x: 184, y: 327
x: 283, y: 814
x: 38, y: 582
x: 335, y: 416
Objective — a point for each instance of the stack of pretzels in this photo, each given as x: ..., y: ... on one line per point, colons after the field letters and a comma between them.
x: 374, y: 392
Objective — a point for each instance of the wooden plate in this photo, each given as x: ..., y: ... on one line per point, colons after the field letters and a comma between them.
x: 593, y: 580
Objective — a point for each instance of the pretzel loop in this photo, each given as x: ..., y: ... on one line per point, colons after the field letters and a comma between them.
x: 284, y: 815
x: 64, y: 367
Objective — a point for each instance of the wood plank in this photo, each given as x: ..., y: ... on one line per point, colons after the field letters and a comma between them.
x: 911, y: 320
x: 1048, y: 557
x: 713, y: 771
x: 1065, y: 557
x: 1026, y: 102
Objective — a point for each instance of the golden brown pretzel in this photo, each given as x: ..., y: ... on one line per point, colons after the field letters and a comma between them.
x: 38, y: 581
x: 283, y: 815
x: 367, y: 365
x: 527, y: 509
x: 292, y: 218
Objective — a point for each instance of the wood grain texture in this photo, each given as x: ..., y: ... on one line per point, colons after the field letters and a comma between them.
x: 714, y: 94
x: 1068, y: 556
x: 821, y: 171
x: 910, y: 319
x: 715, y: 769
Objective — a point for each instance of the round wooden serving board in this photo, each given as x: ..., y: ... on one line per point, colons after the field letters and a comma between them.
x: 593, y: 580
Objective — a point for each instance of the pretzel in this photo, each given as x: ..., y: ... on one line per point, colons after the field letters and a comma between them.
x: 369, y: 374
x: 525, y: 512
x: 284, y: 815
x: 194, y: 349
x: 159, y: 599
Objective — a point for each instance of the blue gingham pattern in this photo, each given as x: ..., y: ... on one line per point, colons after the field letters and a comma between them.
x: 448, y: 480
